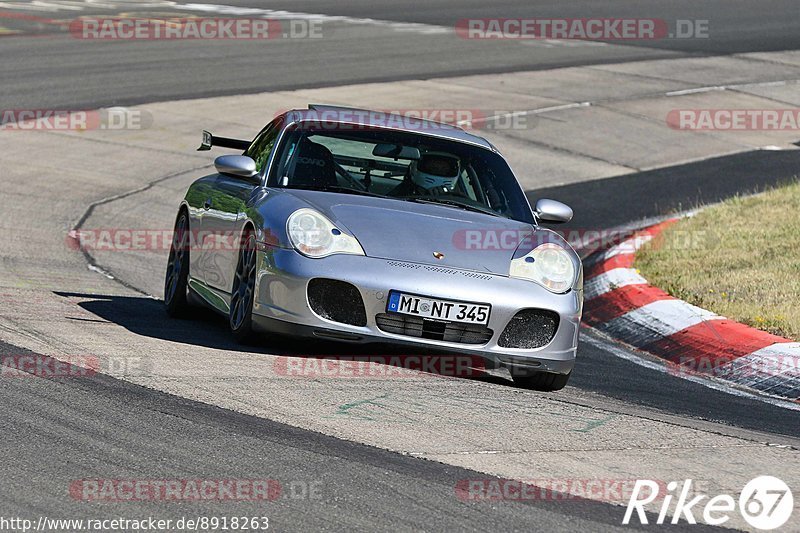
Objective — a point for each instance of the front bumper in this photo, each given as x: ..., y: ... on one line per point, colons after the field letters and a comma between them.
x: 281, y: 304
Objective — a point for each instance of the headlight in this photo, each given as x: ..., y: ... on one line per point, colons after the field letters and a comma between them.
x: 315, y: 236
x: 549, y: 265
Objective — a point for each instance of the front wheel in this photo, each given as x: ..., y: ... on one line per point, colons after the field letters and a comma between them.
x: 241, y: 309
x: 540, y: 381
x: 177, y: 276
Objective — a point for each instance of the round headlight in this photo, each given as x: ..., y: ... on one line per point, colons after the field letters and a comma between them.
x: 549, y: 265
x: 313, y: 235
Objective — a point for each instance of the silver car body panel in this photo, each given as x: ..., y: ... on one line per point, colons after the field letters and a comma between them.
x: 399, y: 239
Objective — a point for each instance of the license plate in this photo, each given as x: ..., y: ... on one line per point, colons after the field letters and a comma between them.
x: 438, y: 309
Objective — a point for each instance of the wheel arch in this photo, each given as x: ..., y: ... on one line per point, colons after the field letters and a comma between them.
x: 247, y: 226
x: 183, y: 208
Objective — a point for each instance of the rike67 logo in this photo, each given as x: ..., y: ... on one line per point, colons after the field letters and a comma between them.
x: 765, y: 503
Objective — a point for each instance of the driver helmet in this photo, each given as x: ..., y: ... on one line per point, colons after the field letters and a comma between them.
x: 436, y: 170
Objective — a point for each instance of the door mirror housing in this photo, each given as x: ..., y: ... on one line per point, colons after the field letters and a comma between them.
x: 238, y: 166
x: 552, y: 211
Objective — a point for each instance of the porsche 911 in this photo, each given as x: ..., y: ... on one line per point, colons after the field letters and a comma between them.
x: 368, y: 227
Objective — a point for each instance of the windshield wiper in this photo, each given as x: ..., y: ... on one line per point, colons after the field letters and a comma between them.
x: 452, y: 203
x: 337, y: 188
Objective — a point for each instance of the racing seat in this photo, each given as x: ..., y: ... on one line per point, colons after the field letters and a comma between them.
x: 314, y: 166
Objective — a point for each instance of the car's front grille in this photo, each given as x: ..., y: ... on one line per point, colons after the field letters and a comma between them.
x: 529, y: 329
x: 337, y: 300
x: 413, y: 326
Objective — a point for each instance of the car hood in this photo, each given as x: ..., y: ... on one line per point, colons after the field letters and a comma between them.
x: 423, y: 233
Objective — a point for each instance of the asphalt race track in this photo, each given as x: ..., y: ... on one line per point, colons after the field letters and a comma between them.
x: 177, y: 400
x: 73, y: 73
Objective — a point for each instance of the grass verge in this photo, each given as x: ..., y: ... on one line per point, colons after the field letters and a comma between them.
x: 740, y: 259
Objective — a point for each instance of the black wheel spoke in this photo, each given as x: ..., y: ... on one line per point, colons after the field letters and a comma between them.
x: 243, y: 284
x: 235, y: 311
x: 176, y: 276
x: 171, y: 280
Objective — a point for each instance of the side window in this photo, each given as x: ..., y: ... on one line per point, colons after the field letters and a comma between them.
x: 262, y: 146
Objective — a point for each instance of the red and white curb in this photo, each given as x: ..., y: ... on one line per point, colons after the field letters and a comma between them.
x: 620, y: 303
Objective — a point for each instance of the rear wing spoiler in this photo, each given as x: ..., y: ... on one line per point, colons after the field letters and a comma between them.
x: 224, y: 142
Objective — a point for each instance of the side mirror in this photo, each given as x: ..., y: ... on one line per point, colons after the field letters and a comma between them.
x: 552, y: 211
x: 238, y: 166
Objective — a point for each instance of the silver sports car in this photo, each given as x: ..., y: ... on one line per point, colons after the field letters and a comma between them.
x: 362, y: 226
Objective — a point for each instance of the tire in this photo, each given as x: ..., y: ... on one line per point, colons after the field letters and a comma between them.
x: 176, y: 279
x: 541, y: 381
x: 240, y: 317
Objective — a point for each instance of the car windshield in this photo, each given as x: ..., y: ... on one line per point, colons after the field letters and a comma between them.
x: 400, y: 165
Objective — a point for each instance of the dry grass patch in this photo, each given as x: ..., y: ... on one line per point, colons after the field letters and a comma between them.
x: 740, y: 259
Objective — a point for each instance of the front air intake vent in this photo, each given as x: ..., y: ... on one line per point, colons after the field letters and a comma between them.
x: 529, y: 329
x: 336, y: 300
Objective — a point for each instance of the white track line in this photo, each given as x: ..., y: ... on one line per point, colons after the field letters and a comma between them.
x: 681, y: 92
